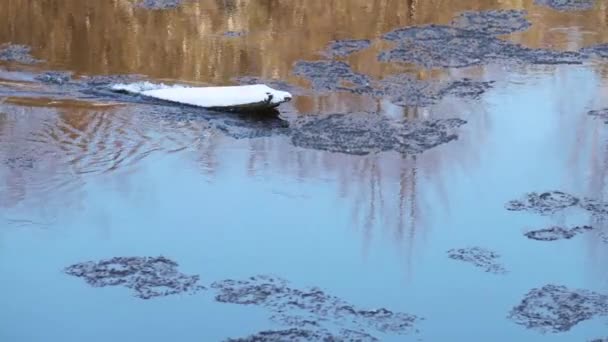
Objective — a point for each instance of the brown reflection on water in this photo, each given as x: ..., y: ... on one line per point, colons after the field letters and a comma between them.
x: 56, y: 103
x: 187, y: 44
x: 114, y: 36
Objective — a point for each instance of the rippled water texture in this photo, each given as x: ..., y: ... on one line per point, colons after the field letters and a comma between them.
x: 440, y: 175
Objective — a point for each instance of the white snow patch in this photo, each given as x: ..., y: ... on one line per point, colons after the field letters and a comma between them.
x: 245, y: 96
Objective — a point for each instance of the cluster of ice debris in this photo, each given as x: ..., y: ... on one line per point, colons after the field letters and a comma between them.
x: 553, y: 308
x: 493, y: 22
x: 597, y: 50
x: 149, y: 277
x: 364, y: 133
x: 567, y: 5
x: 306, y: 335
x: 159, y: 4
x: 544, y: 203
x: 54, y: 77
x: 401, y: 89
x: 479, y: 257
x: 343, y: 48
x: 17, y: 54
x: 330, y: 75
x: 405, y: 90
x: 557, y: 233
x: 470, y: 40
x: 234, y: 34
x: 550, y: 202
x: 310, y: 307
x: 307, y: 313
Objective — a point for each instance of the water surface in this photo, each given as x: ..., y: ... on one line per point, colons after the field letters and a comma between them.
x: 82, y: 180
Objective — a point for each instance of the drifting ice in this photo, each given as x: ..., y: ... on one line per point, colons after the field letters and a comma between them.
x: 231, y: 98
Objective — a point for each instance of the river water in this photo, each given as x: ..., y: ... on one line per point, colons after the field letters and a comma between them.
x: 91, y: 180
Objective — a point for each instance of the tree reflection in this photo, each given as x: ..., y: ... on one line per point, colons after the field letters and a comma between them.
x: 188, y: 44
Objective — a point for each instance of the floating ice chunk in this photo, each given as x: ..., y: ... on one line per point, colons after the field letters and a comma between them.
x: 244, y: 97
x: 257, y: 95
